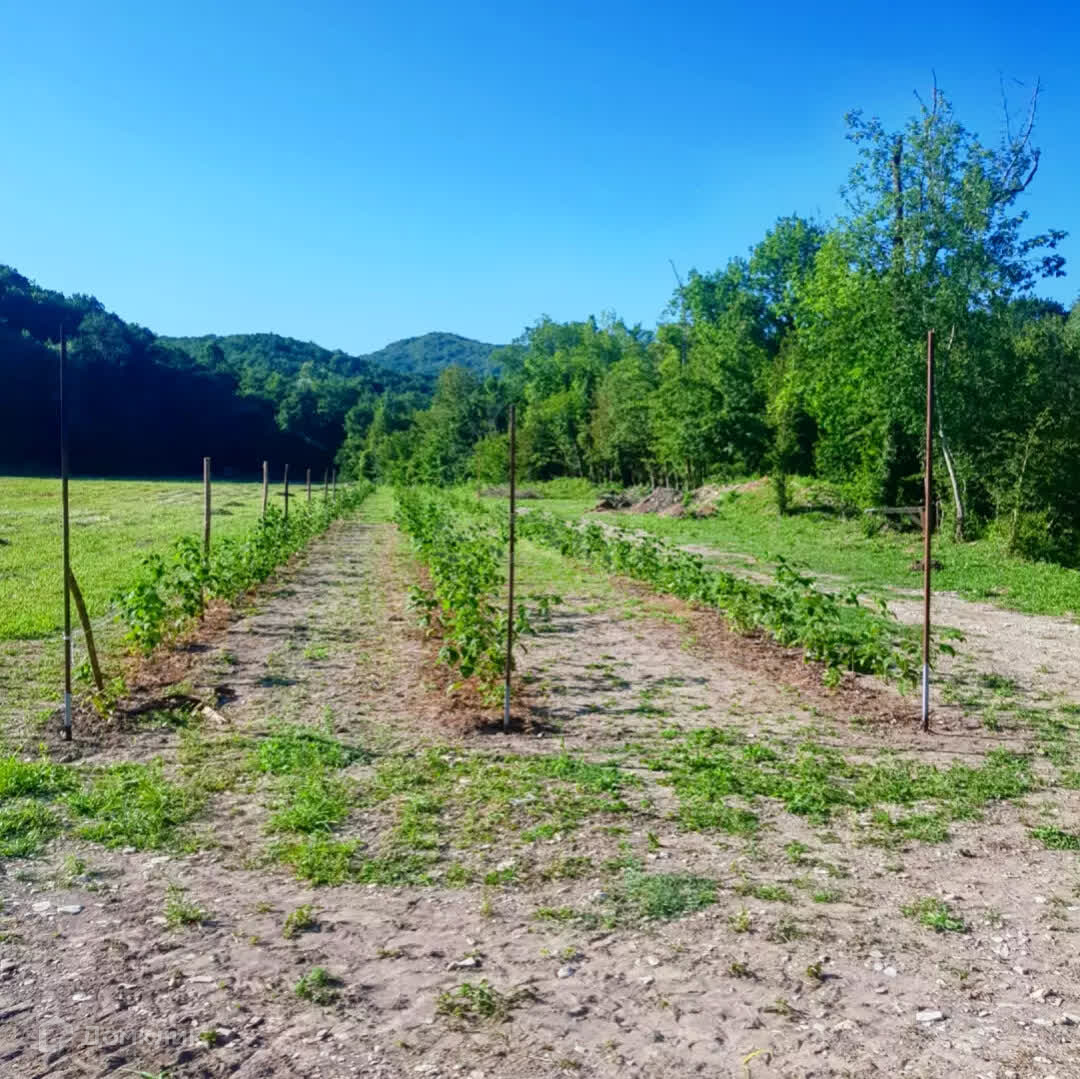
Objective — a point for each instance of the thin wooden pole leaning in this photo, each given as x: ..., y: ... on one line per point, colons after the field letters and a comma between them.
x: 286, y: 492
x: 88, y: 633
x: 510, y: 574
x: 266, y: 485
x: 206, y: 520
x: 67, y: 541
x: 928, y: 524
x: 309, y: 484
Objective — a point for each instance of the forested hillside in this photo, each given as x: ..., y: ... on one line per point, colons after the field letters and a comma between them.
x: 146, y: 405
x: 807, y: 356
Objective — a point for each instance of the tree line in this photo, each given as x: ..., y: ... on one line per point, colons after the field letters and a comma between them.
x: 140, y: 404
x: 807, y: 357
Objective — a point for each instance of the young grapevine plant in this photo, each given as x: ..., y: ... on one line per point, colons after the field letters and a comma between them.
x: 167, y: 593
x: 465, y: 560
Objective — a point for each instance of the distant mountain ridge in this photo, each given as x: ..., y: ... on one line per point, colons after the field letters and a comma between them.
x: 139, y: 404
x: 421, y: 357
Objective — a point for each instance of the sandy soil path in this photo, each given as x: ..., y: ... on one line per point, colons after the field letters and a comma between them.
x: 803, y: 967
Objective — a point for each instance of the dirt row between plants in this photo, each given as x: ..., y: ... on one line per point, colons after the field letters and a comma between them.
x: 803, y: 965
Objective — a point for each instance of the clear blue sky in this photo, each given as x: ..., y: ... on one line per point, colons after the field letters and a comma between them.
x: 352, y: 173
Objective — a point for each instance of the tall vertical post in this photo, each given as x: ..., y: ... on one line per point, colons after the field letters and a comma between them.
x: 67, y: 541
x: 510, y: 573
x: 333, y: 488
x: 286, y: 492
x: 325, y: 483
x: 928, y: 473
x: 266, y: 485
x: 206, y: 521
x: 309, y: 484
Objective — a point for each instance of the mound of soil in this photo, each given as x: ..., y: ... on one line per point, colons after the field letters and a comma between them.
x: 660, y: 498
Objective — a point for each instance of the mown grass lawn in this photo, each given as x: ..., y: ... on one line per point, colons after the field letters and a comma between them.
x: 114, y: 524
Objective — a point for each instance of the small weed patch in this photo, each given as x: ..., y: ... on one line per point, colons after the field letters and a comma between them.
x: 476, y: 1002
x: 1056, y: 839
x: 180, y: 910
x: 318, y: 986
x: 935, y: 914
x: 301, y: 920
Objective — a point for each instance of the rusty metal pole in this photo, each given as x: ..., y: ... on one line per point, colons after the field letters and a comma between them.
x: 266, y: 485
x: 510, y: 574
x: 67, y: 541
x: 928, y: 474
x: 206, y: 521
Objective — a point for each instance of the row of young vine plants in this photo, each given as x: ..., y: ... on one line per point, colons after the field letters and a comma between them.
x: 166, y: 594
x: 836, y: 631
x: 466, y: 559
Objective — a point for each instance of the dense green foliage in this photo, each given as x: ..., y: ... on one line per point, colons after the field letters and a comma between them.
x: 167, y: 593
x: 808, y: 358
x: 145, y: 405
x: 466, y: 561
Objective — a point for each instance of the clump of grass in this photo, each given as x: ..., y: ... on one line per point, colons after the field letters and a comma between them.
x: 318, y: 986
x: 555, y: 914
x: 1056, y: 839
x: 299, y: 749
x: 475, y: 1002
x: 134, y: 805
x: 25, y: 827
x: 311, y: 801
x: 769, y: 893
x: 320, y: 859
x: 301, y: 920
x: 572, y: 867
x: 740, y: 921
x: 40, y: 778
x: 181, y: 911
x: 640, y: 896
x: 709, y: 766
x: 935, y: 914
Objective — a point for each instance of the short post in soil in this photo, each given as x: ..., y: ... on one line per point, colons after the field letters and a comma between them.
x: 206, y: 520
x: 286, y: 493
x: 510, y: 576
x: 309, y: 484
x: 266, y: 485
x: 928, y: 507
x: 66, y: 542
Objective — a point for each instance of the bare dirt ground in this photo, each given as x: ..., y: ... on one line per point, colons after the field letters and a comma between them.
x: 799, y: 963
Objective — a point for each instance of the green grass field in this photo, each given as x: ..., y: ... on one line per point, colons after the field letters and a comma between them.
x: 114, y: 524
x: 817, y: 537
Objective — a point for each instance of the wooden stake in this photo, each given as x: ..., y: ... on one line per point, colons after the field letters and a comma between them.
x: 286, y: 492
x: 67, y: 541
x: 325, y: 483
x: 309, y: 484
x: 88, y: 633
x: 334, y: 484
x: 928, y: 508
x: 510, y: 575
x: 266, y: 485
